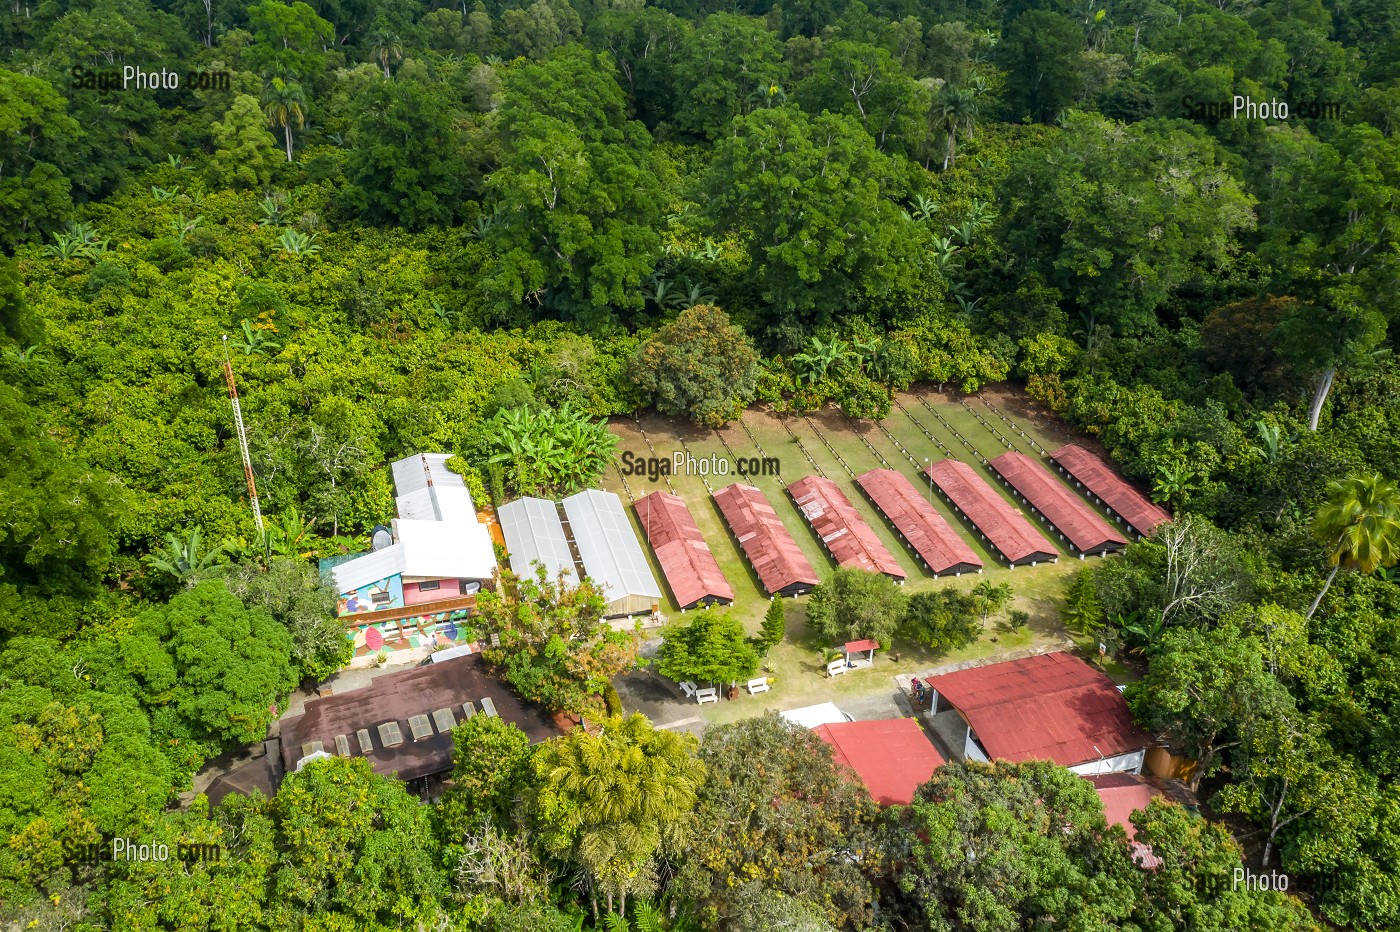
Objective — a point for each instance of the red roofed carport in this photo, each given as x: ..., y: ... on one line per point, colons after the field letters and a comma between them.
x: 1067, y: 512
x: 1048, y: 707
x: 774, y: 555
x: 1112, y: 490
x: 686, y: 560
x: 893, y: 758
x: 1005, y: 528
x: 841, y: 529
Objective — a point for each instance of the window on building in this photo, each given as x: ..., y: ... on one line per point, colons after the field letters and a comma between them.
x: 429, y: 585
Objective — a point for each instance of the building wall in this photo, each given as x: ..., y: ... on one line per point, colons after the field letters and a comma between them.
x: 970, y: 749
x: 414, y: 594
x: 632, y: 605
x: 1130, y: 762
x: 389, y: 593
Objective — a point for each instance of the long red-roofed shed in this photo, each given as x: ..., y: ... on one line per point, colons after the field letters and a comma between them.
x: 1005, y: 528
x: 1070, y: 514
x: 1049, y: 707
x: 1117, y: 495
x: 774, y: 555
x: 686, y: 560
x: 918, y: 523
x: 841, y: 529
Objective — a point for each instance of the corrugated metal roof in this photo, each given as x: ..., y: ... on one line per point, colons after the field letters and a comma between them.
x: 1070, y: 514
x: 893, y: 758
x: 842, y: 530
x: 686, y: 560
x: 368, y: 568
x: 774, y: 555
x: 1007, y: 529
x: 612, y: 556
x: 428, y: 549
x: 1049, y: 707
x: 427, y: 490
x: 534, y: 533
x: 936, y: 543
x: 1099, y: 478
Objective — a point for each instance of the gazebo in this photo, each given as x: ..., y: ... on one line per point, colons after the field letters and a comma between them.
x: 855, y: 648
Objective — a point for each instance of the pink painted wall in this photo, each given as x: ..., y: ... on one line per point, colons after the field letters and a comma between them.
x: 447, y: 589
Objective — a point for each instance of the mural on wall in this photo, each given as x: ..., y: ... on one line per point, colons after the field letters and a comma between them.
x: 385, y: 593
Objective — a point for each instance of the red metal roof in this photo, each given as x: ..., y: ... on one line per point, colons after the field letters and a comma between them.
x: 1122, y: 794
x: 893, y: 758
x: 842, y: 530
x: 774, y: 555
x: 858, y: 647
x: 686, y: 561
x: 918, y: 522
x: 1070, y: 514
x: 1050, y: 707
x: 1006, y: 528
x: 1112, y: 489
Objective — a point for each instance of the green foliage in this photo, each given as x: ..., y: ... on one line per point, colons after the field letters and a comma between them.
x: 700, y: 365
x: 777, y: 809
x: 711, y: 648
x: 853, y: 604
x: 549, y: 451
x: 211, y: 668
x: 490, y: 763
x: 245, y: 153
x: 944, y: 619
x: 972, y: 825
x: 613, y: 803
x: 774, y: 626
x: 1082, y: 612
x: 556, y: 649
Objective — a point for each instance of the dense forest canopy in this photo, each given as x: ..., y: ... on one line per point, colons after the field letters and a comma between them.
x: 479, y: 227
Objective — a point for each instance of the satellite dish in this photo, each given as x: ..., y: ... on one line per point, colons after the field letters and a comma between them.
x: 380, y: 537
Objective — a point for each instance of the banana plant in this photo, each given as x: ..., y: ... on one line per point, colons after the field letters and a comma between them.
x: 162, y: 196
x: 183, y: 558
x: 272, y: 208
x: 256, y: 341
x: 182, y: 225
x: 298, y: 243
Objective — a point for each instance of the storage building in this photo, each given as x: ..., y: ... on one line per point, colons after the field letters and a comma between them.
x: 686, y: 561
x: 781, y: 566
x: 1069, y: 514
x: 840, y: 528
x: 918, y: 523
x: 611, y: 554
x: 1005, y: 528
x: 1110, y: 489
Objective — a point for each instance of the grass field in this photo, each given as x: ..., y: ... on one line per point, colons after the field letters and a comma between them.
x: 923, y: 426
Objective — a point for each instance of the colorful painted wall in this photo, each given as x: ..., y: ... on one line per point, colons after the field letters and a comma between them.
x: 385, y: 593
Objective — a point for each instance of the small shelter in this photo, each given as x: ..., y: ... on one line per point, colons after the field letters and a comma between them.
x: 854, y: 650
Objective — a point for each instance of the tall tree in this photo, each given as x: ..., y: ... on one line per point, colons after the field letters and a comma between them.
x: 284, y: 103
x: 854, y: 603
x: 245, y: 153
x: 614, y: 802
x: 1359, y: 524
x: 700, y: 365
x: 36, y: 133
x: 711, y: 648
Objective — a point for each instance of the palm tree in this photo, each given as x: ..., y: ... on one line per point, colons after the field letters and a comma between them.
x: 955, y: 111
x: 1360, y: 524
x: 184, y: 558
x: 385, y: 47
x: 614, y: 801
x: 285, y: 104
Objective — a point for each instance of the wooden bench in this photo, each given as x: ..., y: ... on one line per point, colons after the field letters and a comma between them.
x: 688, y: 688
x: 708, y: 694
x: 759, y: 685
x: 837, y: 667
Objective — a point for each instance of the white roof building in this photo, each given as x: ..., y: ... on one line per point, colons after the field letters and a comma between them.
x: 534, y: 533
x: 612, y: 556
x: 436, y: 535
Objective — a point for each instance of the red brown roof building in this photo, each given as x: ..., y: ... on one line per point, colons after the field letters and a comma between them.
x: 1005, y: 528
x: 686, y: 560
x: 1122, y: 794
x: 1111, y: 490
x: 774, y: 555
x: 893, y: 758
x: 842, y: 531
x: 1049, y: 707
x: 1086, y: 531
x: 918, y: 523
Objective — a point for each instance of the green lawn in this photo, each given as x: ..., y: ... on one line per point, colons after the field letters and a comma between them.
x: 830, y: 443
